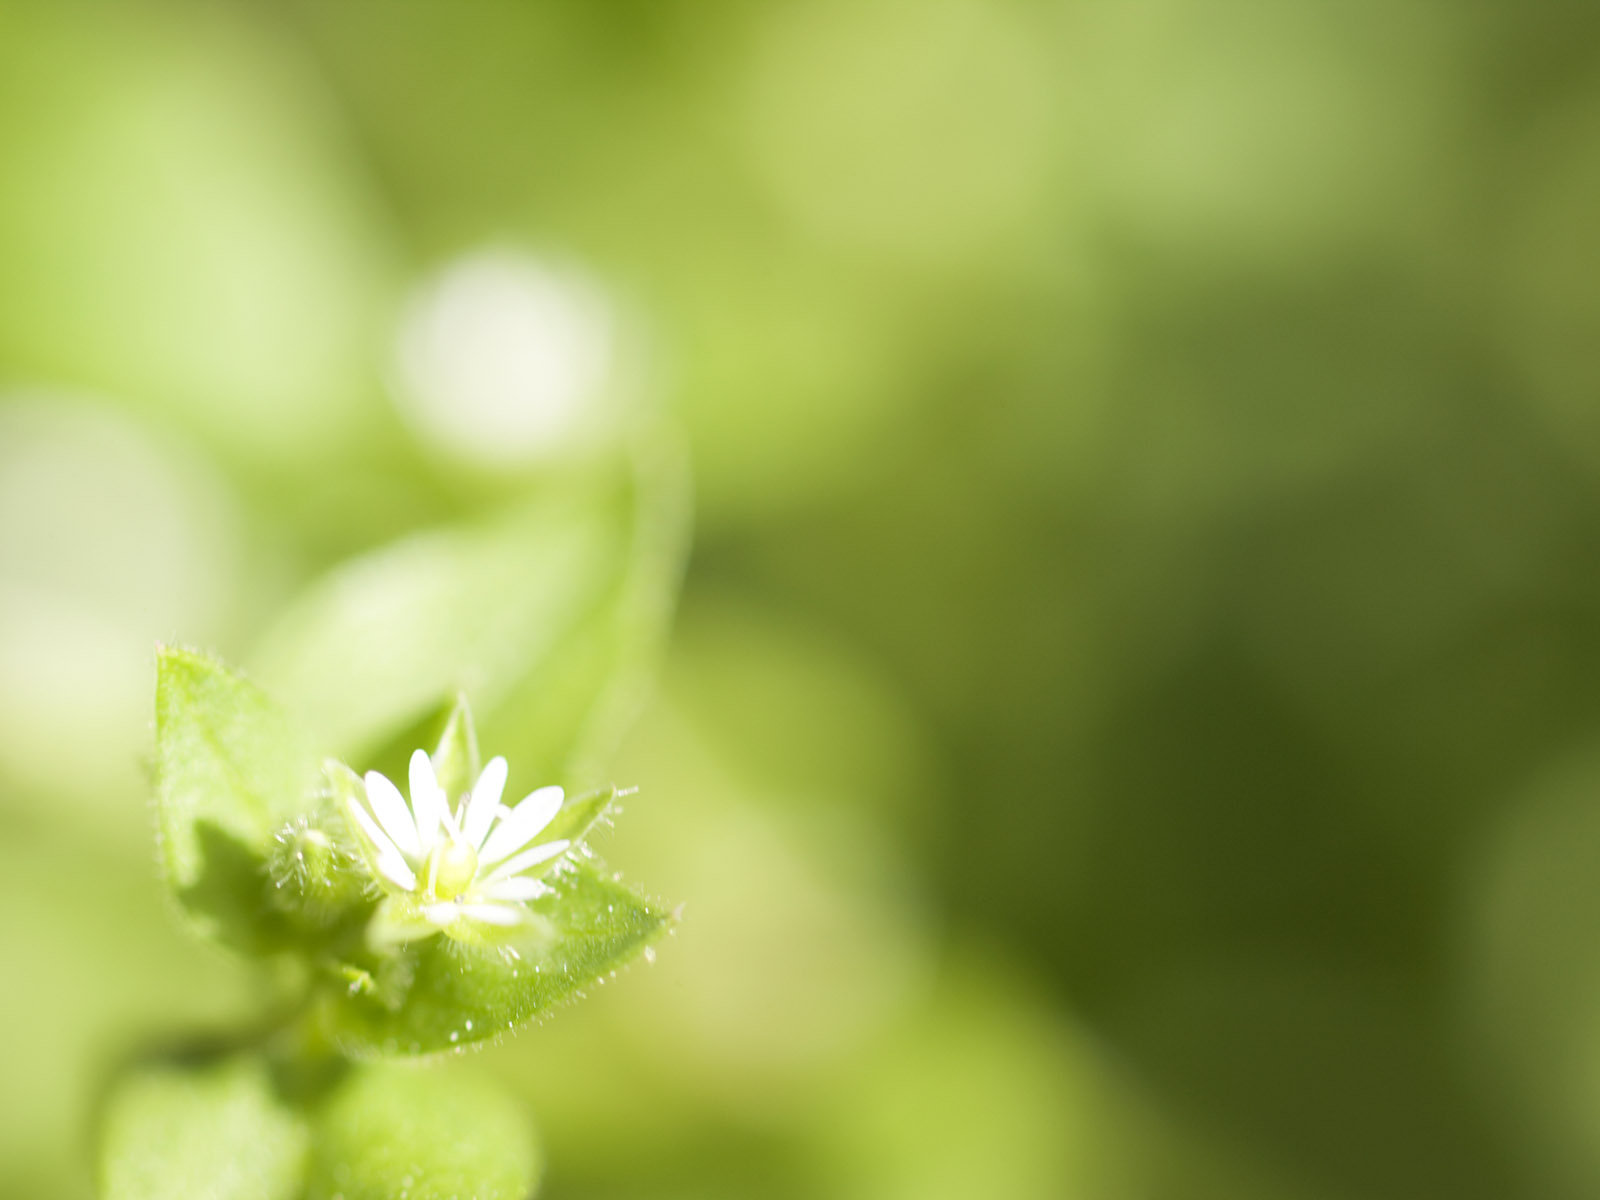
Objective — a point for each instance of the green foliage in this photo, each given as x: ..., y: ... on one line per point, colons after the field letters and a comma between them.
x: 271, y: 861
x: 219, y: 1131
x: 250, y: 1127
x: 540, y: 611
x: 223, y: 788
x: 457, y: 994
x: 371, y: 648
x: 230, y: 771
x: 564, y: 716
x: 390, y: 1131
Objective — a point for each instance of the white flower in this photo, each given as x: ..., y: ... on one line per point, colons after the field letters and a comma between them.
x: 453, y: 870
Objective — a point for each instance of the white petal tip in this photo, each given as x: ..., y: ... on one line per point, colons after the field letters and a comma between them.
x: 394, y: 869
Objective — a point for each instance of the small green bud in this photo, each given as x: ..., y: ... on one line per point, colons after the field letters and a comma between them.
x: 313, y: 874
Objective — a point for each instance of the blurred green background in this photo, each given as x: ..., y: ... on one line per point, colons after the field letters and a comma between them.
x: 1131, y: 728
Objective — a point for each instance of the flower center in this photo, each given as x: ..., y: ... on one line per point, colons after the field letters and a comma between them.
x: 452, y: 867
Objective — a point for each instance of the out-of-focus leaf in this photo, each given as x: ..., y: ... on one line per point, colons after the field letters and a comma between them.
x: 111, y: 535
x: 371, y: 647
x: 96, y: 956
x: 390, y: 1130
x: 490, y: 608
x: 182, y: 226
x: 459, y: 994
x: 220, y: 1132
x: 1535, y: 983
x: 566, y: 716
x: 230, y: 770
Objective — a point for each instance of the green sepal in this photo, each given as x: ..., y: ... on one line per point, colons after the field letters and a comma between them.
x: 456, y: 761
x: 578, y: 816
x: 588, y: 927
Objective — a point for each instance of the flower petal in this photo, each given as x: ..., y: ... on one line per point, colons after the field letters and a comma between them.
x: 517, y: 887
x: 396, y: 870
x: 485, y: 800
x: 523, y: 825
x: 379, y: 841
x: 494, y: 914
x: 392, y: 813
x: 428, y: 802
x: 388, y: 860
x: 538, y: 854
x: 443, y: 913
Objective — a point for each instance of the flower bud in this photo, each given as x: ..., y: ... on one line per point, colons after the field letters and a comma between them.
x: 313, y: 874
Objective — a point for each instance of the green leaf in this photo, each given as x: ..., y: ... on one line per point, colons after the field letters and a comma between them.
x: 230, y: 771
x: 563, y: 719
x: 393, y: 1130
x: 218, y: 1131
x: 459, y: 994
x: 369, y: 650
x: 545, y: 613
